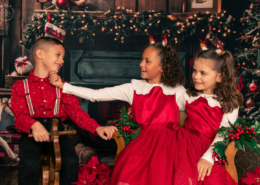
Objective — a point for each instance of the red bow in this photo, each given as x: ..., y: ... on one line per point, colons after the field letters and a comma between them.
x: 151, y: 37
x: 21, y: 63
x: 164, y: 37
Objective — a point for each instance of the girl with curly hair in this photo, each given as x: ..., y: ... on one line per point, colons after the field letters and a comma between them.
x: 148, y: 159
x: 211, y: 102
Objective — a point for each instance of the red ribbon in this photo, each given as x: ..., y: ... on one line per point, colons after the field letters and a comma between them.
x: 49, y: 17
x: 21, y: 63
x: 54, y: 33
x: 240, y: 84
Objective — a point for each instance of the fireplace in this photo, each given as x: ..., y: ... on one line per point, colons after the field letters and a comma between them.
x: 100, y: 69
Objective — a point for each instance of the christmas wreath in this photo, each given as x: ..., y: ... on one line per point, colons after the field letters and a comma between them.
x: 127, y: 128
x: 242, y: 133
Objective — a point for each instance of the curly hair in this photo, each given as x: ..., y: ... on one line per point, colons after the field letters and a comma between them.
x: 172, y: 72
x: 227, y: 94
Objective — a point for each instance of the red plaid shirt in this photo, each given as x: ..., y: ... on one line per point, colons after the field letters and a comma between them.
x: 43, y: 96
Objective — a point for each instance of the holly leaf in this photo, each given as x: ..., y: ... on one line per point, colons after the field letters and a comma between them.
x: 124, y: 115
x: 240, y: 143
x: 135, y: 134
x: 256, y: 126
x: 223, y: 131
x: 132, y: 124
x: 251, y: 143
x: 127, y: 141
x: 220, y: 148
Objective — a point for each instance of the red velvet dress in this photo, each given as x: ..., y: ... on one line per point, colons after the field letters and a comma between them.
x: 149, y: 159
x: 194, y: 139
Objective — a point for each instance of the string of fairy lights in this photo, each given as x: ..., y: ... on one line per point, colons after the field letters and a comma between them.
x: 124, y: 23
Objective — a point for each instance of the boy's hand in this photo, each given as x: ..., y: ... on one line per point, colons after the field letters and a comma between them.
x: 39, y: 132
x: 108, y: 130
x: 55, y: 80
x: 204, y: 167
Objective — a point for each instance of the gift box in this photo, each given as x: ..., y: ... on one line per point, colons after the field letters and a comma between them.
x: 10, y: 80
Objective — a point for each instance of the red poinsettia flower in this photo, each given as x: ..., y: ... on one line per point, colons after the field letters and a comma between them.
x: 252, y: 178
x: 93, y: 173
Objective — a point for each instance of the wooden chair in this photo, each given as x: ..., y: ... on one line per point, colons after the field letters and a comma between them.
x: 51, y: 158
x: 230, y: 151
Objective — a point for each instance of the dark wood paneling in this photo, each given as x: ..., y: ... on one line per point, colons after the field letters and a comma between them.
x: 127, y: 4
x: 152, y: 5
x: 175, y: 6
x: 4, y: 16
x: 15, y: 34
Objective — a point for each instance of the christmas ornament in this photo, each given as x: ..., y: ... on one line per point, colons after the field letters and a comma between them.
x: 62, y: 4
x: 250, y: 103
x: 23, y: 65
x: 53, y: 31
x: 253, y: 86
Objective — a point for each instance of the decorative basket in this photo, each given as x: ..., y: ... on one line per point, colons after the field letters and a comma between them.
x: 10, y: 80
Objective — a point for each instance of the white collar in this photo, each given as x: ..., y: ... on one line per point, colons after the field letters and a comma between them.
x: 209, y: 97
x: 142, y: 87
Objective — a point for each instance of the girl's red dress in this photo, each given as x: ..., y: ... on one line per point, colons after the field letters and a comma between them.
x: 194, y: 139
x: 149, y: 159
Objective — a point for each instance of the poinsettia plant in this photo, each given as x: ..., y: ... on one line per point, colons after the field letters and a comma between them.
x: 252, y: 178
x: 242, y: 133
x: 127, y: 128
x: 93, y: 173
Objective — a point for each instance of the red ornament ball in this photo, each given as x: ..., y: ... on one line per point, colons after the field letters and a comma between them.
x: 62, y: 4
x: 250, y: 103
x: 253, y: 86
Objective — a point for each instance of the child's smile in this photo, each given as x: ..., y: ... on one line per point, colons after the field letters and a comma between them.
x: 204, y: 76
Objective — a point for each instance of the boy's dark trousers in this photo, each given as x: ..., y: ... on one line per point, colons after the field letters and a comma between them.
x: 30, y: 152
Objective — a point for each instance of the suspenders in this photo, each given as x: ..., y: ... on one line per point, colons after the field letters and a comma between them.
x: 29, y: 102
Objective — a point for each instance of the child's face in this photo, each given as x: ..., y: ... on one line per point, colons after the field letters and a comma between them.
x: 151, y: 65
x: 53, y: 58
x: 204, y: 76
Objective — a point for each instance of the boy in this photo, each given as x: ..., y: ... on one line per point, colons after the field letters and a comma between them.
x: 35, y: 102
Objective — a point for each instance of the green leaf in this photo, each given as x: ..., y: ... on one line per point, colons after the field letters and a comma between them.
x: 223, y: 131
x: 251, y: 143
x: 135, y: 134
x: 256, y: 126
x: 220, y: 148
x: 240, y: 144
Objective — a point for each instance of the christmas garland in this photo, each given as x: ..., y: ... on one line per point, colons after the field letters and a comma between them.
x: 124, y: 24
x: 127, y: 128
x: 242, y: 133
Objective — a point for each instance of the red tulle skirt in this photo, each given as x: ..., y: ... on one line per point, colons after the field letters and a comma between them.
x: 191, y: 148
x: 147, y: 160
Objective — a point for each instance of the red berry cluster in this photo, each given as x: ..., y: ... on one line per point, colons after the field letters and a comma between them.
x: 220, y: 160
x: 128, y: 130
x: 112, y: 123
x: 234, y: 134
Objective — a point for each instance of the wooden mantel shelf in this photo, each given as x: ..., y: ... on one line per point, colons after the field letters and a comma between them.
x: 4, y: 91
x: 100, y: 14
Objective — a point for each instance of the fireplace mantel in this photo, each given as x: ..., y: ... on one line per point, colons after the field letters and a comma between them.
x: 106, y: 67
